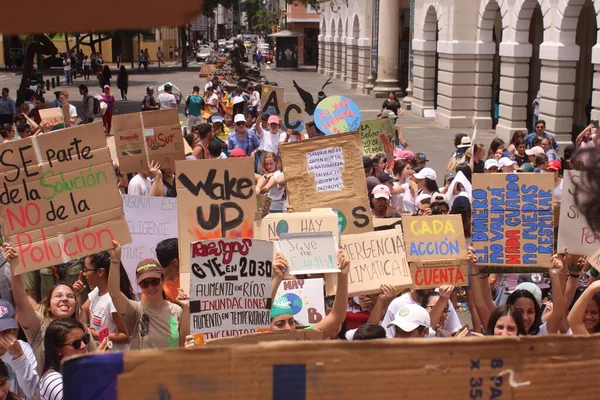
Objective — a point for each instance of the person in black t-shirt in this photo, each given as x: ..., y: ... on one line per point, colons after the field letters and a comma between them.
x: 392, y: 104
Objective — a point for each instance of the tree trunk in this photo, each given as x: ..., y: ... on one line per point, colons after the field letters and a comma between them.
x: 183, y: 39
x: 67, y: 43
x: 45, y: 46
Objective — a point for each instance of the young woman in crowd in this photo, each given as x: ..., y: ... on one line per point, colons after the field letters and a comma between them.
x: 403, y: 197
x: 99, y: 306
x: 199, y: 140
x: 520, y: 156
x: 426, y: 181
x: 496, y: 149
x: 111, y: 108
x: 584, y: 317
x: 436, y: 304
x: 378, y: 164
x: 153, y: 322
x: 506, y: 321
x: 282, y: 317
x: 272, y: 183
x: 62, y: 301
x: 64, y: 338
x: 546, y: 144
x: 514, y: 141
x: 5, y: 392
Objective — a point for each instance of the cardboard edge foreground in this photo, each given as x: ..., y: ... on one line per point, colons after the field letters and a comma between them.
x: 537, y: 367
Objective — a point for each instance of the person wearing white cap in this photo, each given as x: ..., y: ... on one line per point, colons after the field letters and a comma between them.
x: 490, y: 166
x: 381, y: 202
x: 425, y: 179
x: 533, y: 152
x: 506, y: 164
x: 411, y: 321
x: 241, y: 138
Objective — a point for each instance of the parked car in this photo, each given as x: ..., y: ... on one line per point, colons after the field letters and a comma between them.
x: 202, y: 54
x: 267, y: 55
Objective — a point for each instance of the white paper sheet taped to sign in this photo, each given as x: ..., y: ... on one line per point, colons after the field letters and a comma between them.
x: 309, y: 252
x: 325, y: 165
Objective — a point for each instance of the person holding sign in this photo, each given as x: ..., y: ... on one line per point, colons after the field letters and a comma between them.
x: 62, y: 302
x: 282, y: 317
x: 272, y: 183
x: 584, y: 318
x: 153, y: 322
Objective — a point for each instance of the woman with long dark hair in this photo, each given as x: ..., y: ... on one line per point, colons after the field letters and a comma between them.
x: 5, y: 393
x: 584, y: 317
x: 506, y: 321
x: 123, y: 82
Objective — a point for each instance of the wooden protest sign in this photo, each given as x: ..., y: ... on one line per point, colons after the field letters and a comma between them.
x: 316, y: 220
x: 574, y: 233
x: 53, y: 117
x: 513, y: 219
x: 216, y: 198
x: 337, y: 114
x: 376, y: 258
x: 271, y: 336
x: 438, y: 275
x: 60, y: 198
x: 230, y: 289
x: 435, y: 240
x: 369, y: 134
x: 306, y: 297
x: 325, y: 170
x: 151, y: 220
x: 148, y: 136
x: 309, y: 252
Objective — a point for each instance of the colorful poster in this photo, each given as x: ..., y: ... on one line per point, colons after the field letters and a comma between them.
x: 230, y: 287
x: 337, y: 114
x: 151, y: 220
x: 307, y: 298
x: 574, y: 233
x: 376, y: 258
x: 435, y: 240
x: 309, y: 252
x: 216, y: 198
x: 60, y: 198
x: 370, y: 132
x: 513, y: 219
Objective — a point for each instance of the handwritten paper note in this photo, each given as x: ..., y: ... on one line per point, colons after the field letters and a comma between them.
x: 309, y: 253
x: 325, y: 165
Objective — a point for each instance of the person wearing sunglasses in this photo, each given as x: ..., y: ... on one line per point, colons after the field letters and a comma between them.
x: 65, y: 337
x: 242, y: 138
x: 153, y: 322
x: 62, y: 301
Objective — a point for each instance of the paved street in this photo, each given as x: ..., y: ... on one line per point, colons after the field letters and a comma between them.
x: 422, y: 133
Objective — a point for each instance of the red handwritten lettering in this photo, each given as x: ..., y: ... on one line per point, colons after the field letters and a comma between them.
x: 220, y: 247
x: 437, y: 276
x: 29, y: 216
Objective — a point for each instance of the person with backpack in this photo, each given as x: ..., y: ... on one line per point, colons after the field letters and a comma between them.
x: 149, y: 103
x: 90, y: 106
x: 193, y: 108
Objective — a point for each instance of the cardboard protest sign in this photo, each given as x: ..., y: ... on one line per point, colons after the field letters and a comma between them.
x: 323, y: 171
x: 216, y: 199
x: 148, y: 136
x: 307, y: 298
x: 271, y: 336
x: 512, y: 219
x: 435, y: 240
x: 515, y: 367
x: 151, y: 220
x: 292, y: 114
x: 438, y: 275
x: 337, y: 114
x: 594, y: 260
x: 370, y: 131
x: 309, y: 252
x: 574, y: 233
x: 230, y: 289
x: 354, y: 216
x: 376, y: 258
x: 53, y: 117
x: 60, y: 198
x: 317, y: 220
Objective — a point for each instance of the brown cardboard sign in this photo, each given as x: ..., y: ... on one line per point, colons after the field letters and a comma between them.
x: 216, y: 199
x: 438, y: 275
x: 512, y: 219
x: 517, y: 367
x: 594, y: 260
x: 51, y: 208
x: 53, y: 117
x: 148, y: 136
x: 435, y: 238
x: 325, y: 170
x: 354, y: 216
x: 271, y: 336
x: 376, y: 258
x: 317, y: 220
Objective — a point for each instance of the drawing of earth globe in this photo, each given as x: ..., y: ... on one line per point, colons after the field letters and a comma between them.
x: 282, y: 227
x: 341, y: 220
x: 295, y: 302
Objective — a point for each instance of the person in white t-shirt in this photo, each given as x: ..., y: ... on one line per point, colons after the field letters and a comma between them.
x: 63, y: 97
x: 142, y: 185
x: 101, y: 309
x: 167, y: 99
x: 270, y: 138
x: 211, y: 100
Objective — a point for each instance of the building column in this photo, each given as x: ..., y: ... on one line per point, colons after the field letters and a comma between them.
x: 557, y: 88
x: 321, y: 55
x: 457, y: 79
x: 387, y: 48
x: 351, y: 62
x: 596, y: 94
x: 364, y: 63
x: 424, y: 53
x: 328, y: 56
x: 344, y: 59
x: 337, y: 57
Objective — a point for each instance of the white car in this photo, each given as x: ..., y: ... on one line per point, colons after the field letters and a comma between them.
x: 202, y: 54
